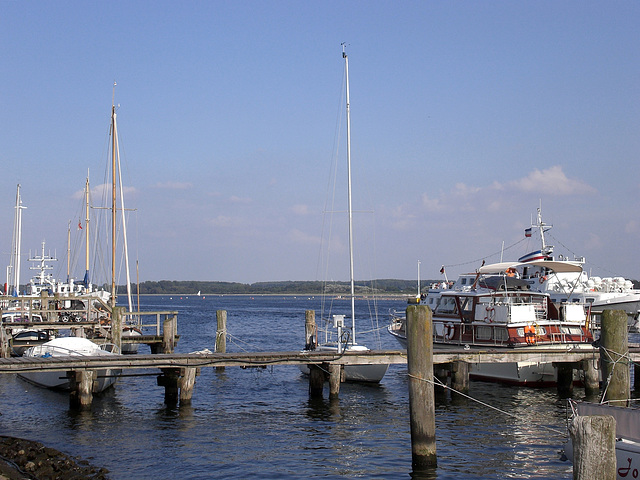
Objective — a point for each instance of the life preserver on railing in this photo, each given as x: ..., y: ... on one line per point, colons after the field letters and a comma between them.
x: 449, y: 331
x: 530, y: 334
x: 490, y: 314
x: 542, y: 279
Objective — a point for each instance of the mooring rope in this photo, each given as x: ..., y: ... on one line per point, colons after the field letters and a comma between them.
x: 504, y: 412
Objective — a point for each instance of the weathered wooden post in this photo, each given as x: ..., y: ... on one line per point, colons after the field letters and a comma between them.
x: 591, y: 377
x: 421, y: 394
x: 170, y: 381
x: 335, y: 374
x: 460, y: 376
x: 81, y: 386
x: 221, y: 334
x: 564, y: 378
x: 5, y: 351
x: 116, y: 326
x: 614, y: 352
x: 316, y: 381
x: 310, y: 330
x: 186, y: 383
x: 169, y: 329
x: 594, y: 447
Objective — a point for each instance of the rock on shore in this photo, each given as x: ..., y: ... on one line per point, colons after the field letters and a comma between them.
x: 25, y: 459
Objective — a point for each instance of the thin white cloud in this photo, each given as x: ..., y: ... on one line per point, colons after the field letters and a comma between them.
x: 552, y: 181
x: 298, y: 236
x: 100, y: 191
x: 301, y: 209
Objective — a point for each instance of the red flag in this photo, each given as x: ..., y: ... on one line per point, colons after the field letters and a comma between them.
x: 79, y: 225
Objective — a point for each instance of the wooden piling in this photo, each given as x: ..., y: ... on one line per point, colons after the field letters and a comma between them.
x: 421, y: 394
x: 116, y: 326
x: 460, y: 377
x: 614, y: 352
x: 5, y: 351
x: 170, y: 381
x: 594, y: 447
x: 316, y: 381
x: 310, y: 330
x: 564, y: 379
x: 221, y: 334
x: 169, y: 330
x: 186, y: 384
x: 81, y: 385
x: 335, y: 374
x: 591, y: 377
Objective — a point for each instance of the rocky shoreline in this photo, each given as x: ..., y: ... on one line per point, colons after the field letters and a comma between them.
x: 25, y: 459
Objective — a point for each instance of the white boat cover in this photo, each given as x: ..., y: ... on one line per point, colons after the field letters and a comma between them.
x: 627, y: 419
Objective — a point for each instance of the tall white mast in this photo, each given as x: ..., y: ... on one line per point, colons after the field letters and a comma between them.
x: 86, y: 233
x: 13, y: 272
x: 112, y: 300
x: 350, y: 210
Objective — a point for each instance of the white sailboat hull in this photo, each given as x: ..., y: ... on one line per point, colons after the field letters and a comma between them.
x: 69, y: 347
x: 354, y: 373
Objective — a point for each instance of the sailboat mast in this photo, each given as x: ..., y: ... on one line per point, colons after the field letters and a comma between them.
x: 113, y: 203
x: 350, y: 210
x: 86, y: 233
x: 68, y: 252
x: 14, y: 268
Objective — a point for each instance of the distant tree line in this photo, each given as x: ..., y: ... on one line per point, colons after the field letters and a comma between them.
x: 172, y: 287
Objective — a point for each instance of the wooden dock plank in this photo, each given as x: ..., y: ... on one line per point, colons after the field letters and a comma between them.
x: 248, y: 359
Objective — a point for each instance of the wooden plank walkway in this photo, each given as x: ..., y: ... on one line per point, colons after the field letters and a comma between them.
x: 253, y: 359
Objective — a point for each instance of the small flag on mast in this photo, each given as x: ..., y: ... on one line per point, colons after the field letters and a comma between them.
x: 527, y: 232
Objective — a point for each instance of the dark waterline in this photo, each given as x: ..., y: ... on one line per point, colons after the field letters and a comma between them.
x: 261, y: 423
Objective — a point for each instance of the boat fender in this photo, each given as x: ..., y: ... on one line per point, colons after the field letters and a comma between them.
x: 449, y: 330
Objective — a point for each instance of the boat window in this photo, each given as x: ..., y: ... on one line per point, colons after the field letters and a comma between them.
x: 501, y: 334
x: 483, y: 333
x: 447, y: 305
x: 466, y: 304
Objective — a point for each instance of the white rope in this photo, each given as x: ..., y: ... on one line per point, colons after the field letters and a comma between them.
x: 504, y: 412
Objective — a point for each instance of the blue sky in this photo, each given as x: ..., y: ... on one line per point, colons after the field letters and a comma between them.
x: 466, y: 116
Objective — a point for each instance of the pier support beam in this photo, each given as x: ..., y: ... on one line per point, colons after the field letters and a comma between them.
x: 614, y: 353
x: 116, y: 326
x: 591, y: 377
x: 169, y: 330
x: 81, y: 384
x: 335, y: 374
x: 421, y: 395
x: 316, y: 381
x: 594, y: 447
x: 460, y: 377
x: 169, y: 380
x: 564, y: 377
x: 221, y: 334
x: 186, y: 384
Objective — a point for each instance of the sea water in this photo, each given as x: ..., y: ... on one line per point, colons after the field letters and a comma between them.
x: 261, y: 423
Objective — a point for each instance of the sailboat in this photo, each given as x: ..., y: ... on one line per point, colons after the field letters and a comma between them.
x: 129, y: 329
x: 359, y: 373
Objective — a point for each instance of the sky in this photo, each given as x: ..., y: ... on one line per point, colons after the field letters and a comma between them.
x: 465, y: 118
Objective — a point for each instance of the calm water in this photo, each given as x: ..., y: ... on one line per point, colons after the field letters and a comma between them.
x: 260, y: 423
